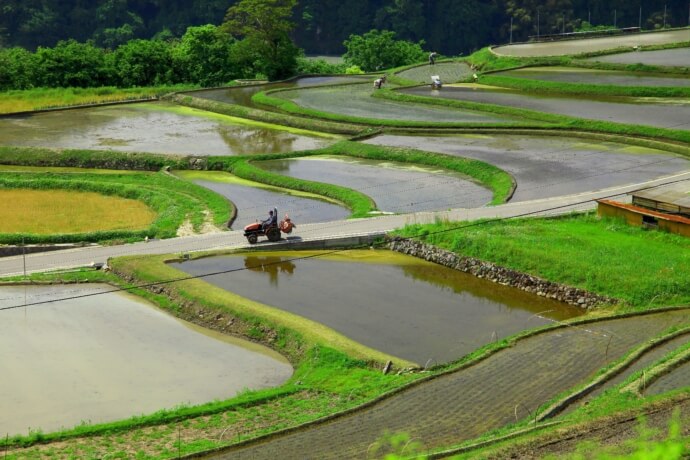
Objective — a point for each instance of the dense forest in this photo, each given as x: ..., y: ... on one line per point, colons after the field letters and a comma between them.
x: 321, y: 26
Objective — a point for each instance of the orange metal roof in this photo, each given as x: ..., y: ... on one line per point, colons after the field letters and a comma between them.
x: 648, y: 212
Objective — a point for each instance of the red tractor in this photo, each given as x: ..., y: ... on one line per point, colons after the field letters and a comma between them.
x: 270, y: 228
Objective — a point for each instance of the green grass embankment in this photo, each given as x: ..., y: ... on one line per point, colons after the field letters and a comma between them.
x: 536, y: 86
x: 52, y: 98
x: 642, y: 268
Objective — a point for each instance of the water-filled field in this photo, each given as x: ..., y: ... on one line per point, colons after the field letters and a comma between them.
x: 597, y: 77
x: 590, y: 45
x: 155, y: 128
x: 674, y: 380
x: 106, y: 357
x: 395, y: 187
x: 242, y: 95
x: 661, y: 113
x: 449, y: 72
x: 679, y: 57
x: 546, y: 166
x: 253, y: 200
x: 356, y: 101
x: 398, y: 304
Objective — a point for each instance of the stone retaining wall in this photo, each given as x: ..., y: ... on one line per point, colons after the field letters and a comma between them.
x: 501, y: 275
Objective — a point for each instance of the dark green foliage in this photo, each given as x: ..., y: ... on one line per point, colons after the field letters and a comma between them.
x: 142, y: 63
x: 376, y: 50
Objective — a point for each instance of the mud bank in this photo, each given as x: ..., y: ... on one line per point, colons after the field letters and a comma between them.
x: 501, y: 275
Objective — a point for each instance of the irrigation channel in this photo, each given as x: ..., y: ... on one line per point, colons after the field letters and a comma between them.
x: 113, y: 356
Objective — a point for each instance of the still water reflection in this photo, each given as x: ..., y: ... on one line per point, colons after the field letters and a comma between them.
x: 112, y: 356
x: 398, y: 304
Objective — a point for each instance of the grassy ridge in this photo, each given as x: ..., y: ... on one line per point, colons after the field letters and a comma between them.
x: 601, y: 256
x: 48, y: 98
x: 580, y: 89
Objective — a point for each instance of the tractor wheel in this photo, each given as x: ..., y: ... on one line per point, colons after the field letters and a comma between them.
x: 252, y: 238
x: 273, y: 234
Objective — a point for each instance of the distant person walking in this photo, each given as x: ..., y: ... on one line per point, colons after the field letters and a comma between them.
x: 432, y: 58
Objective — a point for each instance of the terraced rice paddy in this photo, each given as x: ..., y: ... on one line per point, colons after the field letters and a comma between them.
x: 676, y: 379
x: 394, y: 187
x: 669, y: 113
x: 590, y: 45
x: 253, y: 200
x: 397, y: 304
x: 41, y: 212
x: 152, y: 127
x: 546, y: 166
x: 464, y: 404
x: 679, y: 57
x: 104, y: 358
x: 356, y: 101
x: 597, y: 77
x: 242, y: 95
x: 449, y: 72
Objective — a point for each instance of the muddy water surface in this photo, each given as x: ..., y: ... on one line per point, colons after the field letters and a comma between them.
x: 393, y: 186
x: 546, y: 166
x: 679, y: 57
x: 110, y: 357
x: 151, y: 127
x: 397, y: 304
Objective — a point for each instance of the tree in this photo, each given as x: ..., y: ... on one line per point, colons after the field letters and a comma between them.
x: 143, y: 63
x: 203, y: 55
x: 376, y: 50
x: 71, y: 64
x: 265, y: 25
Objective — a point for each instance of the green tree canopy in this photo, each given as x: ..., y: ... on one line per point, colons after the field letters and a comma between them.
x: 376, y: 50
x: 266, y: 26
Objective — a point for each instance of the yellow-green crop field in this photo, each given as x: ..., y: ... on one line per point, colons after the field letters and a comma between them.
x: 60, y: 211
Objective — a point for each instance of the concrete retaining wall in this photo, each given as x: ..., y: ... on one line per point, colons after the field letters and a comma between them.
x: 497, y: 274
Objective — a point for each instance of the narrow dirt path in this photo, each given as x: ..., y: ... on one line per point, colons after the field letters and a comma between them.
x: 464, y: 404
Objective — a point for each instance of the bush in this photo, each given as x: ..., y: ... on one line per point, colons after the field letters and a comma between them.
x: 376, y: 50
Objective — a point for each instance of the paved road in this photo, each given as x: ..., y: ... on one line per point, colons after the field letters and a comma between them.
x: 310, y: 232
x: 588, y: 45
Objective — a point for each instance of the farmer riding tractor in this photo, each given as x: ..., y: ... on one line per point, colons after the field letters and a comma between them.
x: 270, y: 228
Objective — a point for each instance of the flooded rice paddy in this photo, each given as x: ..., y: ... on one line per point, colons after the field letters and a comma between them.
x: 398, y: 304
x: 676, y: 379
x: 112, y: 356
x: 242, y: 95
x: 154, y: 128
x: 393, y: 186
x: 547, y: 166
x: 661, y: 113
x: 589, y: 45
x: 597, y: 77
x: 356, y: 101
x: 679, y: 57
x: 253, y: 200
x: 449, y: 72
